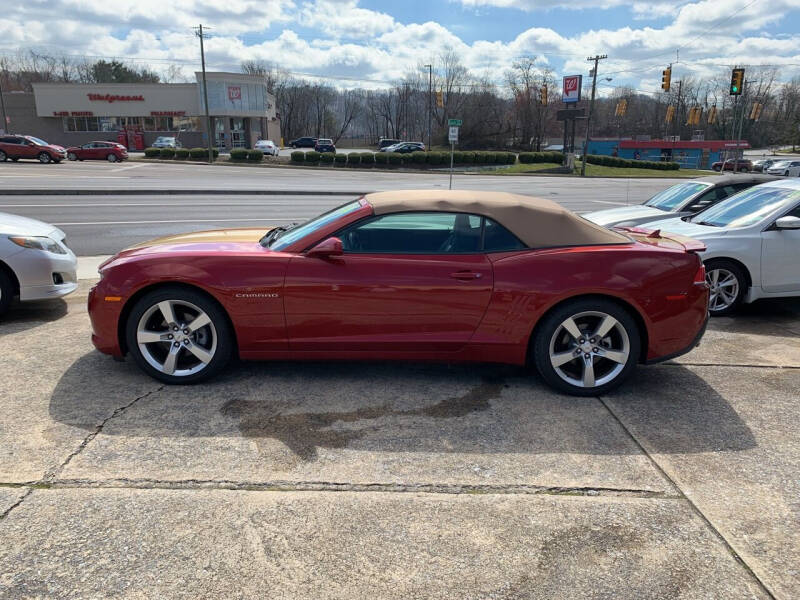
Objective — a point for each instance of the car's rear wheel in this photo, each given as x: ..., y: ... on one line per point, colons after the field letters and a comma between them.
x: 3, y: 156
x: 112, y: 158
x: 178, y: 335
x: 728, y: 284
x: 6, y: 291
x: 586, y: 347
x: 44, y: 158
x: 72, y: 156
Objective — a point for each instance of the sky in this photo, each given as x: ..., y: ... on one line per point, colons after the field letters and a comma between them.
x: 370, y: 43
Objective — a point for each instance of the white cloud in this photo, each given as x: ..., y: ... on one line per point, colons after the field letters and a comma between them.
x: 343, y: 18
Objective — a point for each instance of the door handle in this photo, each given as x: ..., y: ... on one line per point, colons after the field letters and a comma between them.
x: 466, y: 275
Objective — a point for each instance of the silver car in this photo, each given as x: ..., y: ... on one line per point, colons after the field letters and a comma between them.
x: 35, y: 262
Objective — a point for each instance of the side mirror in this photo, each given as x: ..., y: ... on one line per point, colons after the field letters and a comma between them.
x: 327, y: 248
x: 788, y: 223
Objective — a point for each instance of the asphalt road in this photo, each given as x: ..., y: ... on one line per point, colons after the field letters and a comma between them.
x: 104, y: 224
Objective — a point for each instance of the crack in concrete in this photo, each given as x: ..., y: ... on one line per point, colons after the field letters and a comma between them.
x: 333, y: 486
x: 696, y: 509
x: 736, y: 366
x: 49, y: 477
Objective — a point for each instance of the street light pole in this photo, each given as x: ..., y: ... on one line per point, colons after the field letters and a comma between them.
x: 430, y: 102
x: 597, y: 58
x: 3, y: 102
x: 205, y: 95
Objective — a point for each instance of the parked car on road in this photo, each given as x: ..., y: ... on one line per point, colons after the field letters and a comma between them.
x: 787, y: 168
x: 681, y: 199
x: 267, y: 147
x: 15, y: 147
x: 110, y: 151
x: 404, y: 147
x: 324, y: 145
x: 744, y: 165
x: 303, y: 142
x: 752, y: 240
x: 409, y: 275
x: 761, y: 166
x: 35, y: 262
x: 164, y: 141
x: 384, y: 142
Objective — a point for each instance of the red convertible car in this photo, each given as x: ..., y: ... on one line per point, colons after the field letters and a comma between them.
x: 412, y: 275
x: 110, y: 151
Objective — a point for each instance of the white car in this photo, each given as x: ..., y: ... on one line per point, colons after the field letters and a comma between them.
x: 787, y: 168
x: 35, y: 262
x: 267, y: 147
x: 752, y: 243
x: 681, y: 199
x: 164, y: 141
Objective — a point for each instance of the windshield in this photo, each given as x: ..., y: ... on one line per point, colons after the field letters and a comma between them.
x: 674, y: 196
x: 290, y: 236
x: 748, y: 207
x: 781, y: 163
x: 37, y: 141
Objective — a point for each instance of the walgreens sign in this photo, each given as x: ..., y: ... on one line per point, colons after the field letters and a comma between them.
x: 114, y: 98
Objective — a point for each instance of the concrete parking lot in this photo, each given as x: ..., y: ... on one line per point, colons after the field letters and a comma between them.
x: 326, y: 480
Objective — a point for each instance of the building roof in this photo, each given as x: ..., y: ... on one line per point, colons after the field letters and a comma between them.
x: 536, y: 221
x: 713, y: 145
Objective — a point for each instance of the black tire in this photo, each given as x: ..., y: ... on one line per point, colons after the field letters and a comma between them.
x: 112, y: 158
x: 3, y: 156
x: 45, y: 158
x: 718, y: 264
x: 15, y: 159
x: 72, y: 156
x: 7, y: 291
x: 549, y: 332
x: 224, y: 336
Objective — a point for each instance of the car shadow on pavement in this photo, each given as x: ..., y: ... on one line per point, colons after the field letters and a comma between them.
x: 402, y: 407
x: 775, y: 317
x: 27, y: 315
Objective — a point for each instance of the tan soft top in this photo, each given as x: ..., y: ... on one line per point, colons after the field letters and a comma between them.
x: 537, y: 222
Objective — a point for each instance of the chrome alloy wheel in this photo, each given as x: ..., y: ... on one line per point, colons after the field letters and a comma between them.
x: 589, y: 349
x: 724, y: 289
x: 176, y: 337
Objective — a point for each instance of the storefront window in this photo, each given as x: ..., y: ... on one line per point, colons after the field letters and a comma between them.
x: 186, y: 123
x: 108, y: 123
x: 149, y: 124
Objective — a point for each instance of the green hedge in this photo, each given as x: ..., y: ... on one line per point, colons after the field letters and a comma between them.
x: 340, y: 158
x: 239, y: 154
x: 326, y: 157
x: 200, y: 153
x: 381, y: 158
x: 298, y: 156
x: 367, y: 159
x: 182, y: 153
x: 395, y: 158
x: 152, y: 152
x: 166, y: 152
x: 615, y: 161
x: 312, y: 157
x: 255, y: 155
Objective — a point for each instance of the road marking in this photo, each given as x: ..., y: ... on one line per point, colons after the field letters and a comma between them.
x: 242, y: 220
x: 128, y: 167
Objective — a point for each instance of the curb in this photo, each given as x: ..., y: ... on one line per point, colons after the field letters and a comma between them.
x: 174, y: 192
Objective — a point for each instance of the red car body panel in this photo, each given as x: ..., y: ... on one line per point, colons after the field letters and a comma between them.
x: 461, y: 307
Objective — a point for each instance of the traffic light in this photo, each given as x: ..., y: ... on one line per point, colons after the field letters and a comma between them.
x: 666, y: 77
x: 622, y: 107
x: 670, y: 114
x: 737, y: 82
x: 694, y: 115
x: 440, y: 99
x: 712, y: 115
x: 543, y: 95
x: 755, y: 112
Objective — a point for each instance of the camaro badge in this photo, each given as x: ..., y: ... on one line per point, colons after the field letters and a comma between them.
x: 256, y: 295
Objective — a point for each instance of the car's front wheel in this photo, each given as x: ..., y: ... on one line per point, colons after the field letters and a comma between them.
x: 586, y: 347
x: 72, y: 156
x: 6, y: 291
x: 3, y: 156
x: 44, y: 158
x: 727, y: 286
x: 112, y: 158
x: 179, y: 335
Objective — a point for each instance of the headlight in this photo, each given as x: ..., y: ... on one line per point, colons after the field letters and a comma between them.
x: 38, y: 243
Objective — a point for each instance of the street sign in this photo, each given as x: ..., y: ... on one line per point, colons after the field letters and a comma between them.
x: 453, y: 137
x: 570, y: 113
x: 571, y: 91
x: 454, y: 122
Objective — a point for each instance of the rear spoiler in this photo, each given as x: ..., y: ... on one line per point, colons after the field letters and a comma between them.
x: 653, y: 236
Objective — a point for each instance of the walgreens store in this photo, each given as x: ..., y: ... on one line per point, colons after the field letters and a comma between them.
x: 242, y: 111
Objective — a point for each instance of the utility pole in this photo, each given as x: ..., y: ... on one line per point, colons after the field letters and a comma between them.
x: 597, y: 58
x: 430, y: 102
x: 743, y: 100
x: 199, y: 33
x: 4, y: 124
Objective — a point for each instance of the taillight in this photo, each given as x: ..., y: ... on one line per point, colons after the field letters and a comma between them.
x: 700, y: 276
